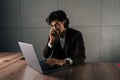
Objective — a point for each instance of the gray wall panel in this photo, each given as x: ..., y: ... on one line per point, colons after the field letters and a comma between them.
x: 34, y: 12
x: 110, y: 44
x: 9, y: 39
x: 81, y: 12
x: 36, y: 36
x: 9, y: 13
x: 110, y: 12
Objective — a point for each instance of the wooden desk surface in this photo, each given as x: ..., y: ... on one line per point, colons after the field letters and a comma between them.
x: 12, y: 67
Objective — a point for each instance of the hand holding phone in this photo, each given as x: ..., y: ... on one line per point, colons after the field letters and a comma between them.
x: 53, y: 35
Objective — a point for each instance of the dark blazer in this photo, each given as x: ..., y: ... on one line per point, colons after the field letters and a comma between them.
x: 73, y: 48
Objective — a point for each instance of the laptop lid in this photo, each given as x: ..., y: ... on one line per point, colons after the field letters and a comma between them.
x: 30, y: 56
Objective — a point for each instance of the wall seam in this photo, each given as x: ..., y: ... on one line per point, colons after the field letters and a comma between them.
x: 57, y: 4
x: 20, y: 5
x: 100, y: 28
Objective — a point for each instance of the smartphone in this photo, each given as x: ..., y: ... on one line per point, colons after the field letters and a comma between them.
x: 54, y: 33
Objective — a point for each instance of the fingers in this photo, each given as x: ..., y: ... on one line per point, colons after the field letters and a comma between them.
x: 54, y: 32
x: 53, y: 61
x: 53, y: 36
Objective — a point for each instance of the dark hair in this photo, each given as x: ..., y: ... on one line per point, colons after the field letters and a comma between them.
x: 58, y: 15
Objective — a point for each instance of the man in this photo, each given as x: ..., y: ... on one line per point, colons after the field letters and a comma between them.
x: 65, y: 45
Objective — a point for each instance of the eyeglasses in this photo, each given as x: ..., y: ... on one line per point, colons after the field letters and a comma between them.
x: 56, y: 24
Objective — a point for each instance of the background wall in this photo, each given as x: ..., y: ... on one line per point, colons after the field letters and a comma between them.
x: 98, y: 20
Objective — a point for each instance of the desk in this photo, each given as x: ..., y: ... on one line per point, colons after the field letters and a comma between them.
x: 19, y: 70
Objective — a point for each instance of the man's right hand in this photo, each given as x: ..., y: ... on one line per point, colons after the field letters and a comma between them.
x: 53, y: 35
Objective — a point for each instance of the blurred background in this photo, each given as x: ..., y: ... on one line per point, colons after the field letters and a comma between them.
x: 98, y: 20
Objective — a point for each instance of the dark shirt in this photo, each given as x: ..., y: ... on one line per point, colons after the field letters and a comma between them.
x: 74, y: 47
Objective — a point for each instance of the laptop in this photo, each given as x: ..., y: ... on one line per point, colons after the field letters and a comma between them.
x: 32, y: 60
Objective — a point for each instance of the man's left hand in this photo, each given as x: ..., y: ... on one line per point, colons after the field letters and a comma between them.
x: 53, y: 61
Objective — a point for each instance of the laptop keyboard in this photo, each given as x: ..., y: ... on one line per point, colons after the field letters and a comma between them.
x: 45, y: 66
x: 48, y: 68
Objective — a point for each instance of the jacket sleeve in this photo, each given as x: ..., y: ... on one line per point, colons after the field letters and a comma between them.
x: 47, y: 50
x: 78, y: 49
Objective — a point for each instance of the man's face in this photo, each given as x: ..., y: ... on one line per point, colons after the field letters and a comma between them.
x: 58, y: 26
